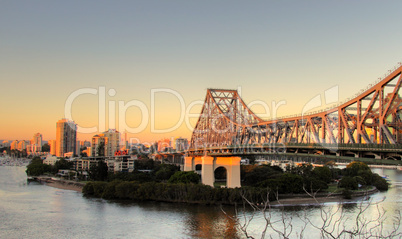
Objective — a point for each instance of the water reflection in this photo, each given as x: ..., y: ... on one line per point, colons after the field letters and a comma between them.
x: 37, y: 211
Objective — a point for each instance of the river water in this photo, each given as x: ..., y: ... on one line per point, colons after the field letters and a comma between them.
x: 39, y: 211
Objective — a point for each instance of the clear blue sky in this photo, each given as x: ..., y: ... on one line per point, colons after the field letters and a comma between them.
x: 273, y: 50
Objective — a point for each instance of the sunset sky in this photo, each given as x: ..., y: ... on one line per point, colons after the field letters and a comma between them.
x: 274, y: 51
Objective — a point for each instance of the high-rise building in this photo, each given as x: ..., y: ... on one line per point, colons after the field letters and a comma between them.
x: 97, y: 142
x: 36, y: 143
x: 112, y: 142
x: 22, y: 145
x: 181, y: 144
x: 6, y: 143
x: 163, y: 145
x: 109, y: 140
x: 66, y: 137
x: 85, y: 144
x: 78, y: 148
x: 37, y: 139
x: 52, y: 144
x: 14, y: 145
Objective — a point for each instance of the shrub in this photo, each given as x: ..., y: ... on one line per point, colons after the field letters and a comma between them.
x: 184, y: 177
x: 348, y: 182
x: 323, y: 174
x: 110, y: 190
x: 354, y: 167
x: 380, y: 183
x: 347, y: 194
x: 99, y: 188
x: 88, y: 189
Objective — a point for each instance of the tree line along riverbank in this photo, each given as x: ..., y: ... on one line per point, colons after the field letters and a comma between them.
x: 162, y: 182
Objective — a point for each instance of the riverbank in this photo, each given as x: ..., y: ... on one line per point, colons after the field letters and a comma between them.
x: 284, y: 199
x: 305, y: 199
x: 60, y: 183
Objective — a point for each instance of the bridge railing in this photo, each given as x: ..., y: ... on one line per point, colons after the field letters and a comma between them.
x: 304, y: 145
x: 340, y: 145
x: 343, y: 101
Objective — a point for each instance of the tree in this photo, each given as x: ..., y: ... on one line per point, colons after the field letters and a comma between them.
x: 323, y: 174
x: 254, y: 175
x: 99, y: 171
x: 185, y: 177
x: 379, y: 182
x: 164, y: 171
x: 355, y: 167
x: 348, y: 182
x: 144, y: 164
x: 46, y: 148
x: 100, y: 150
x: 62, y: 164
x: 37, y: 168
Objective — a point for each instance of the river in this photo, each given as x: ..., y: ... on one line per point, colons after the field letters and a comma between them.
x: 38, y: 211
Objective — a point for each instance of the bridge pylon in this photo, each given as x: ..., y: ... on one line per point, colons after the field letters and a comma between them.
x: 210, y: 164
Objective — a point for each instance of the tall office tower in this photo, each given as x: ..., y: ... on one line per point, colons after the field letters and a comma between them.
x: 36, y: 144
x: 22, y: 145
x: 164, y: 144
x: 78, y: 148
x: 181, y: 144
x: 14, y: 144
x: 52, y: 144
x: 66, y: 137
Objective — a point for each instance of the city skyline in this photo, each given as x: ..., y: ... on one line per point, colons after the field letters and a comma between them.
x: 174, y: 51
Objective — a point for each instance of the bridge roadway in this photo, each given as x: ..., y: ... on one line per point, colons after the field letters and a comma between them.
x: 376, y: 151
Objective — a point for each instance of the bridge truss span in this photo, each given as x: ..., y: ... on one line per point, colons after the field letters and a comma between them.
x: 373, y: 118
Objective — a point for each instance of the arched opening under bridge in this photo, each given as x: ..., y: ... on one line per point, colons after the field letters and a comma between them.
x: 220, y: 175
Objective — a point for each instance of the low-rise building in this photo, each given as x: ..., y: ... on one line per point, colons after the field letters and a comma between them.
x: 122, y: 163
x: 50, y: 160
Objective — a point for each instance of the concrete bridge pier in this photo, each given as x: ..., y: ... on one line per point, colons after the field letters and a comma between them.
x: 210, y: 164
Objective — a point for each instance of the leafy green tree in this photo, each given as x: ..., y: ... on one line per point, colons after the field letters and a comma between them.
x: 185, y: 177
x: 37, y: 168
x: 142, y: 177
x: 101, y: 149
x: 291, y: 183
x: 323, y: 174
x: 379, y: 182
x: 305, y: 170
x: 61, y: 164
x: 164, y: 171
x: 314, y: 184
x: 144, y: 164
x: 354, y: 167
x: 99, y: 171
x: 255, y: 175
x: 46, y: 148
x: 348, y: 182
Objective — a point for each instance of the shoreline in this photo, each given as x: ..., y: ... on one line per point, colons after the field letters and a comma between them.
x: 61, y: 184
x: 283, y: 200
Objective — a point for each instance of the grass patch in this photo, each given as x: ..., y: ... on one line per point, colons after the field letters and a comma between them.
x: 219, y: 184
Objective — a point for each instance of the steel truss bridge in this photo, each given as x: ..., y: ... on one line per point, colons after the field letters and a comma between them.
x: 367, y: 125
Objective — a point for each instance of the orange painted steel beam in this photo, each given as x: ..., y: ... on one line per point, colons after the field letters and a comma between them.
x: 226, y: 120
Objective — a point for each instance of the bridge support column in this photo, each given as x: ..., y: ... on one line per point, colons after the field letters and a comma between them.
x: 233, y: 172
x: 207, y: 171
x: 188, y: 164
